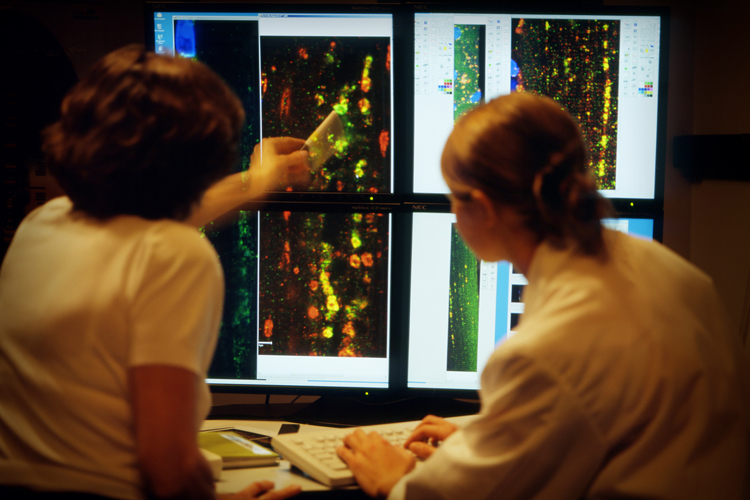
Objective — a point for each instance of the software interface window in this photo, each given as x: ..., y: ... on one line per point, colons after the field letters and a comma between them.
x: 603, y: 70
x: 291, y: 71
x: 307, y: 299
x: 307, y: 295
x: 461, y: 308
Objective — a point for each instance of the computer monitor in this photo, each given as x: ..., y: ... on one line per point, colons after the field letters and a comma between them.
x: 307, y: 299
x: 314, y: 72
x: 461, y: 308
x: 606, y: 66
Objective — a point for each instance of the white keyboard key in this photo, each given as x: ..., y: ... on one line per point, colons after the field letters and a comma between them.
x: 336, y: 464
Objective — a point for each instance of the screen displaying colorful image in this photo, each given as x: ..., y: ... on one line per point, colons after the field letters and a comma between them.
x: 305, y: 78
x: 323, y: 284
x: 575, y: 62
x: 603, y: 69
x: 307, y: 298
x: 291, y: 70
x: 484, y: 301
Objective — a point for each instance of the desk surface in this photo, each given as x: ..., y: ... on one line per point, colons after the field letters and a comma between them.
x: 233, y: 480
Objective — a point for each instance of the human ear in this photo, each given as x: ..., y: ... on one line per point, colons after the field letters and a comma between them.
x: 484, y: 208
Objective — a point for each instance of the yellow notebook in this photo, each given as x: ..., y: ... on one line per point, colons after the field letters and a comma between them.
x: 235, y: 450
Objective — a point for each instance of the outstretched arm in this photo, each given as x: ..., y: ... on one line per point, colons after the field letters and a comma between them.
x: 281, y: 158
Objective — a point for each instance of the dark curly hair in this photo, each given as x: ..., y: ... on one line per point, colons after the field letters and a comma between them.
x: 525, y: 151
x: 143, y: 134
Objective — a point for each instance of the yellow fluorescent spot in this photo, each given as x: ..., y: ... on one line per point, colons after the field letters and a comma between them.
x: 328, y: 332
x: 340, y: 145
x: 356, y: 242
x: 332, y: 303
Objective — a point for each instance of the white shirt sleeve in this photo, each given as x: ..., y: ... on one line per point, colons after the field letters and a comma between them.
x: 176, y: 300
x: 531, y: 440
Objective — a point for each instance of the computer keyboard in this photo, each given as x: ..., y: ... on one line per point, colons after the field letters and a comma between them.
x: 315, y: 452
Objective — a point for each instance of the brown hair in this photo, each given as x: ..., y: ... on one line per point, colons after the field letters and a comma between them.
x: 525, y: 151
x: 143, y: 134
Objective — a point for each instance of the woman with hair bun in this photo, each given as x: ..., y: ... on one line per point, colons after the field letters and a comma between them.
x: 622, y: 381
x: 111, y: 299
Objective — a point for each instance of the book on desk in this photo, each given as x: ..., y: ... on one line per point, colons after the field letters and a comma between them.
x: 235, y: 449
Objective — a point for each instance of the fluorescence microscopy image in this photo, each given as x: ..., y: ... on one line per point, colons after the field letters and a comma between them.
x: 304, y: 79
x: 230, y: 48
x: 323, y: 284
x: 463, y: 308
x: 576, y: 63
x: 468, y: 48
x: 236, y: 243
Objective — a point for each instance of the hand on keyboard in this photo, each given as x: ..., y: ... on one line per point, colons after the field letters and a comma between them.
x: 427, y: 436
x: 377, y: 464
x: 315, y: 452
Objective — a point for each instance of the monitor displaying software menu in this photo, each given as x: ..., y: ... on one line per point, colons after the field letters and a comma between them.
x: 606, y: 69
x: 462, y: 308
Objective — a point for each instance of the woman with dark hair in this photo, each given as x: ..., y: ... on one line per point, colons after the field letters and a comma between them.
x: 622, y: 380
x: 111, y: 301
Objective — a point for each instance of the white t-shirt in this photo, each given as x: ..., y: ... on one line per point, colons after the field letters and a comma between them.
x: 623, y: 381
x: 81, y: 302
